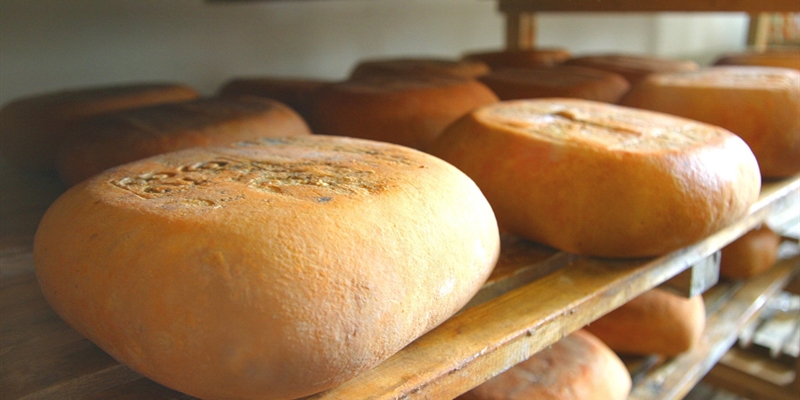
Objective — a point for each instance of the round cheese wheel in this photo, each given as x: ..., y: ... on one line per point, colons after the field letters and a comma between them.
x: 578, y: 367
x: 405, y: 110
x: 32, y: 128
x: 633, y: 67
x: 602, y: 180
x: 781, y: 58
x: 760, y: 104
x: 124, y: 136
x: 294, y: 92
x: 655, y: 322
x: 520, y: 58
x: 558, y: 81
x: 420, y: 66
x: 753, y: 253
x: 270, y: 269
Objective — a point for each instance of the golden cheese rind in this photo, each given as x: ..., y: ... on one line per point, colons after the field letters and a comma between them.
x: 129, y: 135
x: 32, y: 128
x: 655, y: 322
x: 401, y: 109
x: 420, y: 66
x: 577, y: 367
x: 272, y: 269
x: 602, y: 180
x: 760, y: 104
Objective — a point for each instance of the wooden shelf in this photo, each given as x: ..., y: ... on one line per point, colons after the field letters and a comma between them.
x: 748, y: 6
x: 535, y: 297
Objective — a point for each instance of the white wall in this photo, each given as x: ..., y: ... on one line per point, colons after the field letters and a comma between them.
x: 48, y: 45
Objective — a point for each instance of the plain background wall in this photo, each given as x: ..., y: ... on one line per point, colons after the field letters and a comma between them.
x: 48, y: 45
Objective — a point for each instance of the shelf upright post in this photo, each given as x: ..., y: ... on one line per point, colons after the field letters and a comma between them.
x: 520, y: 30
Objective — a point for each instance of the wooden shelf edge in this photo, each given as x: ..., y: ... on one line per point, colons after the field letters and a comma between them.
x: 748, y: 6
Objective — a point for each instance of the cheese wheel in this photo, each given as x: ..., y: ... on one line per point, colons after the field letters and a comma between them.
x: 405, y: 110
x: 781, y: 58
x: 520, y: 58
x: 633, y: 67
x: 294, y: 92
x: 129, y: 135
x: 558, y: 81
x: 32, y: 128
x: 602, y: 180
x: 578, y: 367
x: 420, y: 66
x: 753, y: 253
x: 760, y: 104
x: 655, y: 322
x: 270, y: 269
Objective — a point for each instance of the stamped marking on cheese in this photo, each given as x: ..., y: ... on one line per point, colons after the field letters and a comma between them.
x: 316, y: 174
x: 615, y: 128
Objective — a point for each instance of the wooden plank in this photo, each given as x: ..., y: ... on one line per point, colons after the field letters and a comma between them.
x: 139, y: 389
x: 747, y: 384
x: 749, y: 6
x: 758, y: 31
x: 520, y: 30
x: 757, y: 364
x: 674, y: 379
x: 697, y: 279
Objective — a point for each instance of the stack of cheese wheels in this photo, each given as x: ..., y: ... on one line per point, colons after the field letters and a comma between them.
x: 116, y: 138
x: 421, y: 66
x: 633, y: 67
x: 294, y: 92
x: 760, y: 104
x: 400, y: 109
x: 602, y: 180
x: 578, y: 367
x: 655, y: 322
x: 270, y: 269
x: 781, y: 58
x: 558, y: 81
x: 521, y: 58
x: 753, y: 253
x: 32, y: 128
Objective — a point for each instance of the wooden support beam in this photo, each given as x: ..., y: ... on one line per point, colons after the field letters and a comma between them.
x: 520, y: 30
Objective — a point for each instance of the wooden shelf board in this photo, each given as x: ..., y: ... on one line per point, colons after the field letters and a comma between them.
x: 749, y: 6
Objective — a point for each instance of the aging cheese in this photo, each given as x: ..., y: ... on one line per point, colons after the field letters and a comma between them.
x: 602, y: 180
x: 578, y: 367
x: 401, y: 109
x: 294, y: 92
x: 655, y: 322
x: 32, y: 128
x: 559, y: 81
x: 760, y: 104
x: 522, y: 58
x: 272, y: 269
x: 753, y: 253
x: 633, y: 67
x: 420, y: 66
x: 129, y: 135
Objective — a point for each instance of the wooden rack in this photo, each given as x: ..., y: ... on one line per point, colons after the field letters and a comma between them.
x: 535, y: 296
x: 521, y: 14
